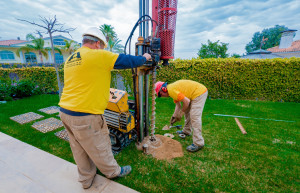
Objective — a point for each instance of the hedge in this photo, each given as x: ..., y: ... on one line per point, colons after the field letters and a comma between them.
x: 230, y: 78
x: 44, y: 77
x: 233, y: 78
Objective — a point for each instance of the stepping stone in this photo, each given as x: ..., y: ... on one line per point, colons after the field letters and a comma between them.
x: 63, y: 134
x: 47, y: 125
x: 50, y: 110
x: 26, y: 117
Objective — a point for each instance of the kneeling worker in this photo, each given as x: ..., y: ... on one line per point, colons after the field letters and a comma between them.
x: 193, y: 96
x: 87, y: 76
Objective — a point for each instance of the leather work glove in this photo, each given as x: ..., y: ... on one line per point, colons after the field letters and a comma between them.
x: 174, y: 120
x: 176, y: 117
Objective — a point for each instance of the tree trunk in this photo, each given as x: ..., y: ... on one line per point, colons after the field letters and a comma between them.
x: 41, y: 56
x: 56, y: 66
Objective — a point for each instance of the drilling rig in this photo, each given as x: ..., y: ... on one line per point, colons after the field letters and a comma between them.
x: 129, y: 120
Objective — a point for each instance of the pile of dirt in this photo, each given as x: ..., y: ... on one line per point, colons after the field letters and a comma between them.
x: 162, y: 147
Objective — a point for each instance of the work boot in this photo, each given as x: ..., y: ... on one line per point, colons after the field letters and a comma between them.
x: 85, y: 186
x: 125, y: 170
x: 194, y: 148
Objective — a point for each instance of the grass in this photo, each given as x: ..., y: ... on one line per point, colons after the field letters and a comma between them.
x: 264, y: 160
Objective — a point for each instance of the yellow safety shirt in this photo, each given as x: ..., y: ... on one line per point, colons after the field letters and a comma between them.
x: 185, y: 88
x: 87, y: 76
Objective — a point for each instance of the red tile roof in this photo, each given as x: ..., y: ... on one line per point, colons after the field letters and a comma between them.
x: 10, y: 42
x: 294, y: 48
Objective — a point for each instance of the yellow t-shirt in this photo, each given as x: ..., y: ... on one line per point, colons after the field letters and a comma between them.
x: 185, y: 88
x: 87, y: 76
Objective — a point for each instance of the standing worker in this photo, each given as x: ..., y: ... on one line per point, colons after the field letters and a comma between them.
x: 193, y: 96
x: 87, y: 76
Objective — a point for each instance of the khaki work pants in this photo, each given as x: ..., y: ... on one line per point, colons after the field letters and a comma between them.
x: 193, y: 119
x: 91, y: 146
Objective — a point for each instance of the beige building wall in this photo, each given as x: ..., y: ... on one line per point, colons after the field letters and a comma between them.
x: 16, y: 60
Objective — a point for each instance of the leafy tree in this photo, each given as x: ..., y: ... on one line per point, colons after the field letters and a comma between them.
x: 213, y: 50
x: 270, y: 35
x: 70, y: 46
x: 235, y: 55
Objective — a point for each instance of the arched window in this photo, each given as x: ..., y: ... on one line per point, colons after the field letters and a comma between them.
x: 7, y: 55
x: 59, y: 58
x: 59, y: 42
x: 30, y: 57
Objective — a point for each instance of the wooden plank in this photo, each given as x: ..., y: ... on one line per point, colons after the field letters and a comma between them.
x: 240, y: 126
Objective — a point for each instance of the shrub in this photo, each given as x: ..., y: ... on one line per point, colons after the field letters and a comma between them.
x: 18, y: 89
x: 23, y: 88
x: 37, y: 90
x: 5, y: 90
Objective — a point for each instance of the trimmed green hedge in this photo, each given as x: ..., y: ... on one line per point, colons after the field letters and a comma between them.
x: 44, y: 77
x: 234, y: 78
x: 230, y: 78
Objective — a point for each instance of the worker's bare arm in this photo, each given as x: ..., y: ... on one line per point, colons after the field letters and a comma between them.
x: 185, y: 104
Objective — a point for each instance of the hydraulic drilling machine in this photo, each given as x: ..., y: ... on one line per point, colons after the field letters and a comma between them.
x: 128, y: 120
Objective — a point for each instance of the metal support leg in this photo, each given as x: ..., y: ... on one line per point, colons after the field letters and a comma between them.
x: 141, y: 104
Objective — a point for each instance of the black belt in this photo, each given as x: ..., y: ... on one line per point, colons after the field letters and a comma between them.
x: 73, y: 113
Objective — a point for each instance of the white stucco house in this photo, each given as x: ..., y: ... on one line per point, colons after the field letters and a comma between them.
x: 287, y: 47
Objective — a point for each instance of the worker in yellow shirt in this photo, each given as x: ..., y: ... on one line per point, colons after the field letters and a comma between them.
x: 87, y: 76
x: 192, y: 95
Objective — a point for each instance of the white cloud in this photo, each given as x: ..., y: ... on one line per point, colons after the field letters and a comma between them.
x: 230, y: 21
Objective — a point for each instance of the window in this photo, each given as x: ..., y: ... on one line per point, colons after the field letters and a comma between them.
x: 59, y: 58
x: 59, y: 42
x: 30, y: 57
x: 7, y: 55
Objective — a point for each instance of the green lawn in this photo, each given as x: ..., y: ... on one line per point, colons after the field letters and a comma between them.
x: 264, y: 160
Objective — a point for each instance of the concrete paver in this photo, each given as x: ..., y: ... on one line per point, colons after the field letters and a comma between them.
x: 62, y: 135
x: 50, y: 110
x: 26, y: 117
x: 24, y: 169
x: 47, y: 125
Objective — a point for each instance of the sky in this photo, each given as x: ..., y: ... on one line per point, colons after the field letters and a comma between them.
x: 229, y: 21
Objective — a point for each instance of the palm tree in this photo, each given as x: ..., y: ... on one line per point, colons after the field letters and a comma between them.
x: 115, y: 46
x: 111, y: 38
x: 108, y: 31
x: 70, y: 46
x: 38, y: 45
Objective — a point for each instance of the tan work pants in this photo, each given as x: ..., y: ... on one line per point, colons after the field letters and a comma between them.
x: 193, y: 119
x: 91, y: 146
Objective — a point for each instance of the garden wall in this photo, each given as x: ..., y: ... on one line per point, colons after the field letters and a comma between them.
x: 230, y: 78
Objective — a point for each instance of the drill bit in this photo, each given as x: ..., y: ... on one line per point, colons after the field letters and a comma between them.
x: 152, y: 138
